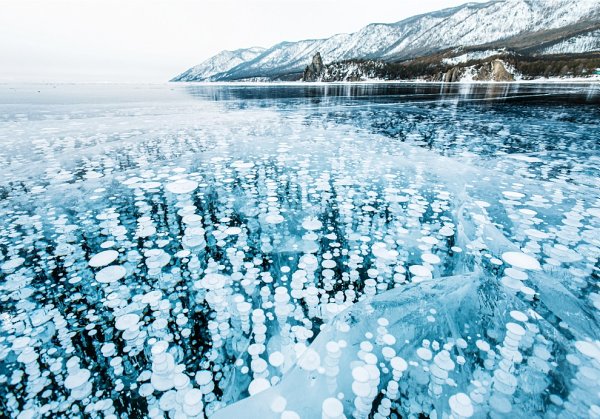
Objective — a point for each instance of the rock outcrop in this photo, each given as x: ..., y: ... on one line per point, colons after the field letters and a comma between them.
x: 500, y: 73
x: 314, y: 71
x: 494, y: 70
x: 453, y: 75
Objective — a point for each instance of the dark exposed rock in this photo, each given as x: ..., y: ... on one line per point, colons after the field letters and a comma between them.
x: 498, y: 67
x: 454, y: 74
x: 500, y: 73
x: 494, y: 70
x: 314, y: 71
x: 353, y: 70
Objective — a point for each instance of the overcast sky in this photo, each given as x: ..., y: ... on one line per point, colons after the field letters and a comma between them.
x: 153, y: 40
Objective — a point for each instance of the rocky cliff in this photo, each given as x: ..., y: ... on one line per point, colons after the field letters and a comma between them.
x: 501, y: 66
x: 314, y: 71
x: 494, y: 70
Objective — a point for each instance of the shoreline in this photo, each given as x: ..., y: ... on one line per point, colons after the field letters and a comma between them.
x: 590, y: 80
x: 586, y: 80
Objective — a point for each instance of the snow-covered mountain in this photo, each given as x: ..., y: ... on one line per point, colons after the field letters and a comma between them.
x: 223, y: 61
x: 468, y: 25
x: 585, y: 42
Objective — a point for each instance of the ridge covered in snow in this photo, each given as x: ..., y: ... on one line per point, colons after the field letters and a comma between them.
x: 223, y: 61
x: 468, y: 25
x: 586, y: 42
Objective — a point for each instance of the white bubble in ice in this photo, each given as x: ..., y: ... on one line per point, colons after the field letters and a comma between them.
x: 589, y: 349
x: 274, y: 218
x: 515, y: 329
x: 278, y: 405
x: 193, y: 402
x: 360, y: 374
x: 398, y: 363
x: 521, y: 260
x: 513, y: 195
x: 310, y: 360
x: 103, y: 258
x: 420, y: 271
x: 182, y: 186
x: 127, y: 321
x: 232, y: 231
x: 152, y: 297
x: 203, y: 377
x: 430, y: 258
x: 518, y: 316
x: 425, y: 354
x: 77, y: 378
x: 536, y: 234
x: 312, y: 224
x: 12, y: 264
x: 21, y: 342
x: 332, y: 408
x: 461, y: 404
x: 516, y: 274
x: 276, y: 359
x: 110, y: 274
x: 258, y: 385
x: 213, y: 281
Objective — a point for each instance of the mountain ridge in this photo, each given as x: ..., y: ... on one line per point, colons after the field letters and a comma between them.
x: 219, y: 63
x: 466, y: 26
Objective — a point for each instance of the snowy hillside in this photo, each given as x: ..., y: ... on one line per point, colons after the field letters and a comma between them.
x: 223, y: 61
x: 468, y: 25
x: 477, y: 24
x: 469, y: 56
x: 582, y: 43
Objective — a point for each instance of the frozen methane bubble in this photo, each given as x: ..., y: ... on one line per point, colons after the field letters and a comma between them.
x: 310, y: 360
x: 103, y: 258
x: 420, y: 271
x: 274, y: 218
x: 213, y: 281
x: 461, y: 405
x: 77, y: 379
x: 77, y: 382
x: 110, y: 274
x: 258, y: 385
x: 127, y: 321
x: 521, y: 260
x: 182, y: 186
x: 276, y: 359
x: 312, y: 224
x: 431, y: 258
x: 425, y: 354
x: 332, y: 409
x: 12, y: 264
x: 192, y: 402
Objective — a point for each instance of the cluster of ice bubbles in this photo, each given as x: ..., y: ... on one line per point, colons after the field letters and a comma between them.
x: 320, y: 273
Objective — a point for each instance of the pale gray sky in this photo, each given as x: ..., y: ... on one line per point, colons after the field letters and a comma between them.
x: 153, y: 40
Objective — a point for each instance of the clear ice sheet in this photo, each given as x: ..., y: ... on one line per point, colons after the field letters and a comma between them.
x: 249, y: 252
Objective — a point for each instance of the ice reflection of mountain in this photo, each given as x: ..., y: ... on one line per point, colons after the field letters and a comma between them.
x: 335, y: 250
x: 394, y: 93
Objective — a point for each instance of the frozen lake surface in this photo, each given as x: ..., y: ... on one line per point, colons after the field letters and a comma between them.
x: 300, y: 251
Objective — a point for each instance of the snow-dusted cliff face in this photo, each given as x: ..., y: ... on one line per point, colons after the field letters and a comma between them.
x: 467, y: 25
x: 586, y: 42
x: 223, y: 61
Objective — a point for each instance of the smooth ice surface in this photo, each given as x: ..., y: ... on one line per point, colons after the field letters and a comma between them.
x: 300, y: 251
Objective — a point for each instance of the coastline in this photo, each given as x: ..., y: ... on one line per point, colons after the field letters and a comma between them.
x: 586, y: 80
x: 579, y: 80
